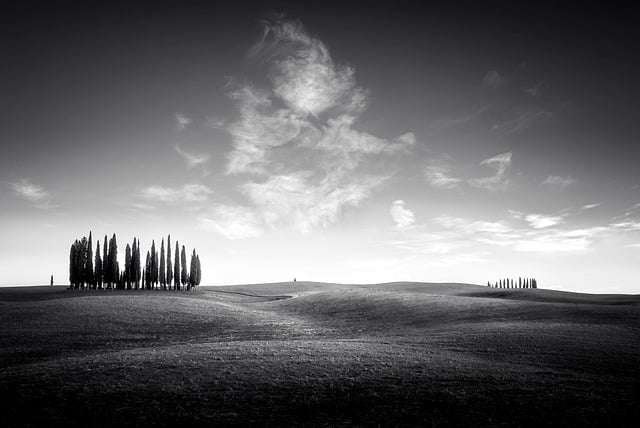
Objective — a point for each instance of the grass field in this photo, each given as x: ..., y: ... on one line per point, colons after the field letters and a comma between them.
x: 319, y: 355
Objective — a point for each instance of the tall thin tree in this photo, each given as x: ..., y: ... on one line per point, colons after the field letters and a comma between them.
x: 163, y: 272
x: 183, y: 261
x: 176, y: 268
x: 98, y: 267
x: 169, y: 268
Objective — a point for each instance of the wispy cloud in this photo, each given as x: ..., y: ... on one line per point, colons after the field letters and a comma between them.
x: 31, y: 192
x: 535, y: 90
x: 521, y: 122
x: 194, y: 160
x: 296, y: 140
x: 558, y: 181
x: 232, y: 222
x: 591, y: 206
x: 540, y: 221
x: 493, y: 79
x: 452, y: 122
x: 402, y: 216
x: 182, y: 121
x: 438, y: 174
x: 499, y: 181
x: 295, y: 200
x: 172, y: 195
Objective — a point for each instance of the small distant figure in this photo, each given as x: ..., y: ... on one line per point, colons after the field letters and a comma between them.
x: 294, y: 279
x: 51, y: 280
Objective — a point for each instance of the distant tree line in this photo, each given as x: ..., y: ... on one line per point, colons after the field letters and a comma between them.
x: 511, y: 283
x: 103, y: 271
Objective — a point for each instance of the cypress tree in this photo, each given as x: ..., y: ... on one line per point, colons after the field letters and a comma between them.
x: 98, y: 267
x: 198, y: 270
x: 105, y: 263
x: 192, y: 270
x: 169, y: 269
x: 138, y: 265
x: 72, y: 265
x: 89, y: 277
x: 163, y: 274
x: 147, y: 269
x: 134, y: 263
x: 114, y: 269
x: 127, y: 266
x: 154, y: 265
x: 183, y: 262
x: 176, y: 268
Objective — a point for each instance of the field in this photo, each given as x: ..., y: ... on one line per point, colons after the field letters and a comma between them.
x: 313, y: 354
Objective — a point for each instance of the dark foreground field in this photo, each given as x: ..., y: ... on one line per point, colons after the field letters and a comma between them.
x: 319, y: 354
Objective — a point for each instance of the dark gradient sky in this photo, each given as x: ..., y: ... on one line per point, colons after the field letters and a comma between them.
x: 362, y: 143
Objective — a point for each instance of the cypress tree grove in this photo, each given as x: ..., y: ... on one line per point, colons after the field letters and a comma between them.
x: 163, y: 274
x: 183, y: 262
x: 169, y: 270
x: 176, y: 268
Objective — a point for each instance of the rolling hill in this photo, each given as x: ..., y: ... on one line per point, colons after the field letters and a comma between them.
x: 318, y: 354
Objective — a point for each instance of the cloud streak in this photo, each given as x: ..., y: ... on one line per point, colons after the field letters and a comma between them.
x: 558, y: 181
x: 188, y: 193
x: 498, y: 181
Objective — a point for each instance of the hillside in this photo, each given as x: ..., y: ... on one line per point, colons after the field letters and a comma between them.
x: 318, y: 354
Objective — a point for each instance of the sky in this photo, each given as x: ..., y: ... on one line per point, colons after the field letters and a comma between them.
x: 352, y: 144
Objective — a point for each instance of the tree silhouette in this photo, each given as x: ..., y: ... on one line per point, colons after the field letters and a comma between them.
x: 127, y: 267
x: 169, y: 269
x: 154, y: 265
x: 163, y: 274
x: 98, y: 267
x: 88, y: 268
x: 183, y: 261
x: 198, y: 270
x: 176, y: 268
x: 193, y: 270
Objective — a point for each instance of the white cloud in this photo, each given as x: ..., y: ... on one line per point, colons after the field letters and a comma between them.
x: 591, y: 206
x: 33, y: 193
x: 182, y: 121
x: 499, y: 181
x: 187, y: 193
x: 401, y: 215
x: 297, y: 201
x: 438, y: 174
x: 540, y: 221
x: 296, y: 141
x: 558, y: 181
x: 193, y: 159
x: 232, y: 222
x: 493, y: 79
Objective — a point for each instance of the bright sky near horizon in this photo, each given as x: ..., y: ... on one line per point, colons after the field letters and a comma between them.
x: 365, y: 146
